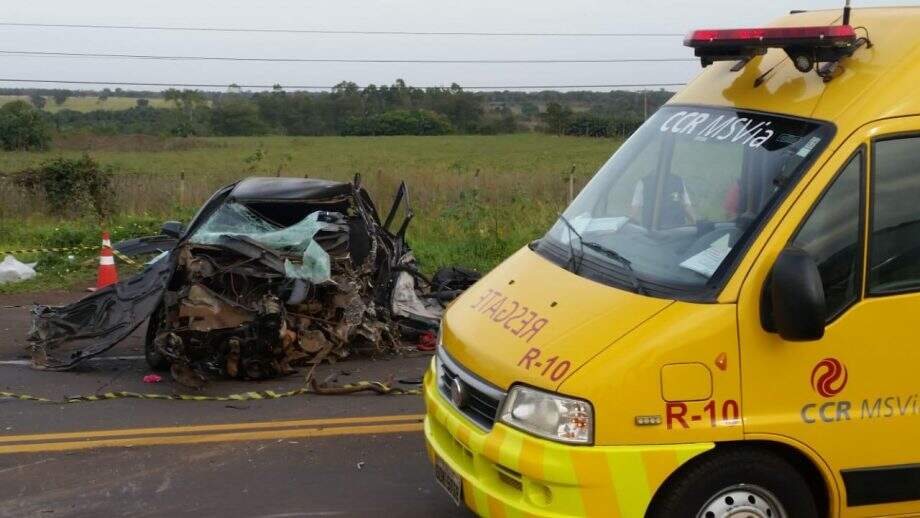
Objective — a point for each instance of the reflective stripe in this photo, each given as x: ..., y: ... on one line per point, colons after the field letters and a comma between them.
x: 106, y: 260
x: 631, y: 485
x: 493, y: 445
x: 608, y: 481
x: 480, y: 501
x: 496, y: 508
x: 659, y: 464
x: 509, y: 455
x: 593, y: 472
x: 532, y: 459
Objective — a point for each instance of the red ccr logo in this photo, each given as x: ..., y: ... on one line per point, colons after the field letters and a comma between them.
x: 829, y: 377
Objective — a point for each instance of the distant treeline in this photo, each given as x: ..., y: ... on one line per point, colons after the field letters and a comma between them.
x: 58, y: 92
x: 349, y: 110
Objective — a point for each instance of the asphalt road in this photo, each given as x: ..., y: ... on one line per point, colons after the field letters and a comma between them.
x: 354, y: 455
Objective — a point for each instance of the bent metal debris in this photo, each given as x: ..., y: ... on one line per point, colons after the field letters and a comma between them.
x: 272, y: 274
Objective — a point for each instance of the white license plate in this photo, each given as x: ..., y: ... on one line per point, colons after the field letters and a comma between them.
x: 449, y: 480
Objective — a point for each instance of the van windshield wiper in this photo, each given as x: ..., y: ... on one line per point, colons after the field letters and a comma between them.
x: 574, y: 262
x: 613, y: 254
x: 601, y: 249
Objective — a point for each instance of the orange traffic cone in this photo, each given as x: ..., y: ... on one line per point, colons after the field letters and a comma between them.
x: 107, y: 272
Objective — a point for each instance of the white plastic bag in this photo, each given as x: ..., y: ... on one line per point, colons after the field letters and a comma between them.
x: 12, y: 270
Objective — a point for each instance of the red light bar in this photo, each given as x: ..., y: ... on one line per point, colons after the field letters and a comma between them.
x: 768, y: 35
x: 805, y: 45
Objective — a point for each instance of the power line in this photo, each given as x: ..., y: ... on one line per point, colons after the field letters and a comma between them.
x: 314, y: 87
x: 93, y: 55
x: 337, y: 31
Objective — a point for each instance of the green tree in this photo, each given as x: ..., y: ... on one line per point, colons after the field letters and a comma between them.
x: 38, y: 101
x: 277, y: 110
x: 71, y: 186
x: 22, y: 127
x: 556, y: 117
x: 188, y: 104
x: 104, y: 95
x: 142, y: 103
x: 60, y: 97
x: 530, y: 110
x: 399, y: 122
x: 587, y: 125
x: 507, y: 123
x: 237, y: 116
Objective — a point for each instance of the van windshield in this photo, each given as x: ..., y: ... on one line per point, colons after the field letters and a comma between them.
x: 678, y: 200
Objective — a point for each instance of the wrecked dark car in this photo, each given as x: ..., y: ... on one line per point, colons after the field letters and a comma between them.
x: 271, y: 274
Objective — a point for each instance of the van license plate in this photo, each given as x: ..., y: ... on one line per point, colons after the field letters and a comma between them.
x: 449, y: 480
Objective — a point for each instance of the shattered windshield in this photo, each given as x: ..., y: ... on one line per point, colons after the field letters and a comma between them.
x: 235, y: 219
x: 682, y: 196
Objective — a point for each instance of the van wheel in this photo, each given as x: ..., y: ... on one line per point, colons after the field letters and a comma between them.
x: 155, y: 360
x: 736, y: 483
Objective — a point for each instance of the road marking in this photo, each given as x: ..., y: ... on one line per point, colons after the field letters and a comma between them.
x: 28, y: 363
x: 29, y: 465
x: 210, y: 428
x: 296, y: 433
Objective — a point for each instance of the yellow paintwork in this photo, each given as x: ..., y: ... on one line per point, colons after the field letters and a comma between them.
x: 507, y: 473
x: 874, y: 339
x: 690, y: 381
x: 631, y: 355
x: 585, y: 313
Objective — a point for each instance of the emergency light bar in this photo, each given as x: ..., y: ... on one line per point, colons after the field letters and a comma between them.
x: 805, y: 45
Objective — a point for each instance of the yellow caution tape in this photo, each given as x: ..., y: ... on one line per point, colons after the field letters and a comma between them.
x: 375, y: 386
x: 116, y: 253
x: 123, y: 257
x: 41, y: 250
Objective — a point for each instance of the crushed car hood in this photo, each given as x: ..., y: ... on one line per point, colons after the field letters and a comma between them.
x: 272, y: 274
x: 62, y: 336
x: 533, y: 322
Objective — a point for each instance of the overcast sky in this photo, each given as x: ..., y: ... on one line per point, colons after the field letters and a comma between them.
x: 404, y: 15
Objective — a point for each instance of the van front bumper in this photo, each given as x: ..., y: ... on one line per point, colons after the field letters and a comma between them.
x: 509, y: 473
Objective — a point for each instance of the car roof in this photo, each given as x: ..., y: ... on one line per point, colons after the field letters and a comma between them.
x: 288, y: 189
x: 875, y: 83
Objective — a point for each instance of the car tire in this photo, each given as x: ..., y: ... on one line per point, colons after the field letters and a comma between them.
x: 731, y: 481
x: 155, y: 360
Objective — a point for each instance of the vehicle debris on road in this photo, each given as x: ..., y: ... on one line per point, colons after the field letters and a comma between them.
x: 272, y: 274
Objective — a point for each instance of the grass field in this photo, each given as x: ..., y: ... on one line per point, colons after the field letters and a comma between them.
x: 87, y: 104
x: 476, y: 198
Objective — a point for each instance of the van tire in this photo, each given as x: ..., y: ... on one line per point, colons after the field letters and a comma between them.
x: 753, y: 471
x: 155, y: 360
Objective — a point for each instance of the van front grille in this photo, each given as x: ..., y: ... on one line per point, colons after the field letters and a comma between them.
x: 482, y: 401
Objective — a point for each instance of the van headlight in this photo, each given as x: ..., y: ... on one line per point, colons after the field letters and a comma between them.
x: 549, y: 415
x: 438, y: 369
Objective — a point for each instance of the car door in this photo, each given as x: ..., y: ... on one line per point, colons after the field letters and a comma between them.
x: 851, y: 397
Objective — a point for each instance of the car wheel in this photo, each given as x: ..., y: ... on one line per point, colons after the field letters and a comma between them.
x: 736, y: 483
x: 155, y: 360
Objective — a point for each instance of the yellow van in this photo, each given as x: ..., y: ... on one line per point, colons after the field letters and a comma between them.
x: 726, y: 320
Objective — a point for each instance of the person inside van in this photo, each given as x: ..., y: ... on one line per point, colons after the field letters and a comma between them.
x: 674, y: 206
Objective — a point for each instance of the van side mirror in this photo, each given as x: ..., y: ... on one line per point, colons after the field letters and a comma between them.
x: 796, y: 295
x: 172, y: 229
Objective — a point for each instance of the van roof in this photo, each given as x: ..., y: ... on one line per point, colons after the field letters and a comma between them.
x: 875, y: 83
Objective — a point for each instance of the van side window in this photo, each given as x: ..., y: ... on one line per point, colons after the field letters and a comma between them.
x: 894, y: 244
x: 831, y: 236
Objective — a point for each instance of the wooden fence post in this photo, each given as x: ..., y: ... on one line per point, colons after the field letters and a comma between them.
x: 572, y: 184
